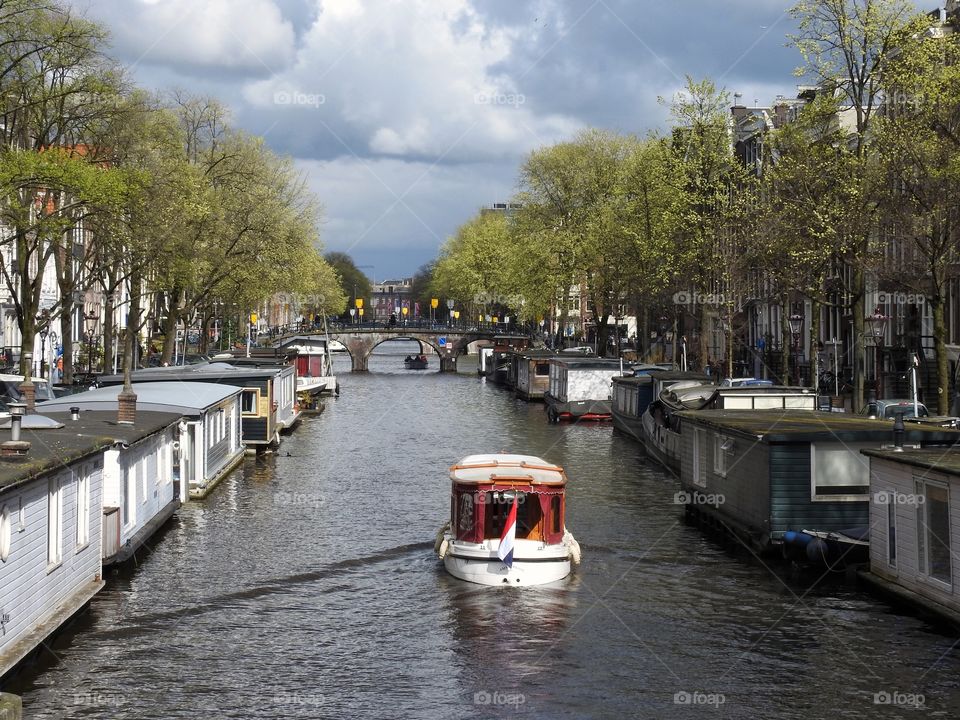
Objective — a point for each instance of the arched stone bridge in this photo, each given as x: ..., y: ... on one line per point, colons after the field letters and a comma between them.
x: 360, y: 341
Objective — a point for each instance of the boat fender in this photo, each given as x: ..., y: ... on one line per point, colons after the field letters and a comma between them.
x: 444, y: 546
x: 572, y: 546
x: 441, y: 540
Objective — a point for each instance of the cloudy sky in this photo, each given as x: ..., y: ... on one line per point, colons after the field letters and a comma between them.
x: 409, y: 115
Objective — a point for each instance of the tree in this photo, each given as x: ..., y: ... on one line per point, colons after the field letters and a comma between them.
x: 353, y: 282
x: 919, y: 138
x: 845, y: 45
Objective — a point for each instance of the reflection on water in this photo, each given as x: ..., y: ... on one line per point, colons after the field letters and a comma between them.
x: 306, y: 586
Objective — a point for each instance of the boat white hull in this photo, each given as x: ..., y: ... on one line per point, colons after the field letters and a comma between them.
x: 533, y: 562
x: 317, y: 384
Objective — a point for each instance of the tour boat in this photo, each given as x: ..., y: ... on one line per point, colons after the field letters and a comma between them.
x: 507, y: 522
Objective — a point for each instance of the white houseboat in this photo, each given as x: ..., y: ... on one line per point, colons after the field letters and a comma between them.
x: 507, y: 522
x: 580, y: 388
x: 314, y: 364
x: 52, y: 494
x: 210, y: 441
x: 915, y: 527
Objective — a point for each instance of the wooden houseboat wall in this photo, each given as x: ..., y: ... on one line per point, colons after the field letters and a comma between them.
x: 139, y: 493
x: 915, y: 526
x: 763, y: 473
x: 631, y: 396
x: 50, y: 538
x: 533, y: 374
x: 51, y: 518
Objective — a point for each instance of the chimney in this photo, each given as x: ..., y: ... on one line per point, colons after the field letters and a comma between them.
x: 27, y: 389
x: 15, y: 447
x: 127, y: 406
x: 74, y: 413
x: 898, y: 432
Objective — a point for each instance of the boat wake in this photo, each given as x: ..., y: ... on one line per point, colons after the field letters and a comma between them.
x: 156, y: 621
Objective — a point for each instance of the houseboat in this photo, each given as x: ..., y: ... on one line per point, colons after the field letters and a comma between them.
x: 662, y: 423
x: 763, y: 473
x: 915, y: 527
x: 210, y: 442
x: 258, y: 406
x: 632, y: 394
x: 580, y: 388
x: 507, y: 522
x: 314, y: 364
x: 52, y: 495
x: 532, y: 373
x: 287, y: 408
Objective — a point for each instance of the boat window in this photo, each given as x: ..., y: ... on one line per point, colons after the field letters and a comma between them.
x: 542, y: 369
x: 555, y: 514
x: 838, y: 472
x: 248, y: 402
x: 465, y: 513
x: 934, y: 531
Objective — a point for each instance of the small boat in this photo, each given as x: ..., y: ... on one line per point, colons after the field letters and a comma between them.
x: 840, y: 549
x: 415, y: 362
x: 507, y: 522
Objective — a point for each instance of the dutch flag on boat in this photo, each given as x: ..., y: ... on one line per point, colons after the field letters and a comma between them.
x: 505, y: 551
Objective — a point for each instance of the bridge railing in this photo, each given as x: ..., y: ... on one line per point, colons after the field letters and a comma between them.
x: 412, y: 325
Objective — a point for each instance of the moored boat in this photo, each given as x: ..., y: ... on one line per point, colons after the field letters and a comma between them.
x: 579, y: 388
x: 507, y: 522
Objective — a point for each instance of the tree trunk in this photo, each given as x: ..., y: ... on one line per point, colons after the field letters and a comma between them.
x: 940, y: 346
x: 815, y: 368
x: 108, y: 334
x: 786, y: 340
x: 170, y: 326
x: 703, y: 351
x: 603, y: 334
x: 66, y: 339
x: 858, y: 341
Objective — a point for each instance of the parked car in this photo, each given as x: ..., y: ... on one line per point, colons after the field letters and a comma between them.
x: 746, y: 382
x: 887, y: 409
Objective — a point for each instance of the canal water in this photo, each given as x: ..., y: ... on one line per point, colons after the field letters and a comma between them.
x: 306, y: 586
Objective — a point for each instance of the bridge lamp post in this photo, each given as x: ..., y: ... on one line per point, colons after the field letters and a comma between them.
x: 358, y: 302
x: 353, y: 312
x: 360, y: 311
x: 456, y: 316
x: 434, y: 304
x: 450, y: 304
x: 405, y: 311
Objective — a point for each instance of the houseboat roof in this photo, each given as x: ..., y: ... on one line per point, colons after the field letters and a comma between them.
x: 186, y: 398
x: 489, y: 468
x: 51, y: 450
x: 579, y: 362
x: 202, y: 372
x: 791, y: 425
x: 945, y: 460
x: 538, y: 353
x: 679, y: 375
x: 633, y: 380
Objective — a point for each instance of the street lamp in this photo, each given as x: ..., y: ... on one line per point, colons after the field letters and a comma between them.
x: 450, y: 304
x: 44, y: 332
x: 91, y: 319
x: 796, y: 332
x: 876, y: 326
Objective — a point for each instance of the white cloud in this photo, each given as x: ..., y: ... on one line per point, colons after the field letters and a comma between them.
x: 247, y: 36
x: 413, y: 79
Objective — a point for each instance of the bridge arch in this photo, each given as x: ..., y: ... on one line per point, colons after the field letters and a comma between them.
x: 360, y: 341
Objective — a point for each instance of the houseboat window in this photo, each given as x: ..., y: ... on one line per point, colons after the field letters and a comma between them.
x: 891, y: 529
x: 83, y: 507
x: 248, y: 402
x: 529, y: 515
x: 555, y: 516
x: 54, y: 520
x: 720, y: 447
x: 838, y: 472
x: 934, y: 532
x: 465, y: 514
x: 6, y: 533
x: 542, y: 369
x: 699, y: 462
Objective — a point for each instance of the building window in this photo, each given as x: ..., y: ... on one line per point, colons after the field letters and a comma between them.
x: 933, y: 531
x: 249, y: 401
x: 83, y: 508
x: 54, y: 521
